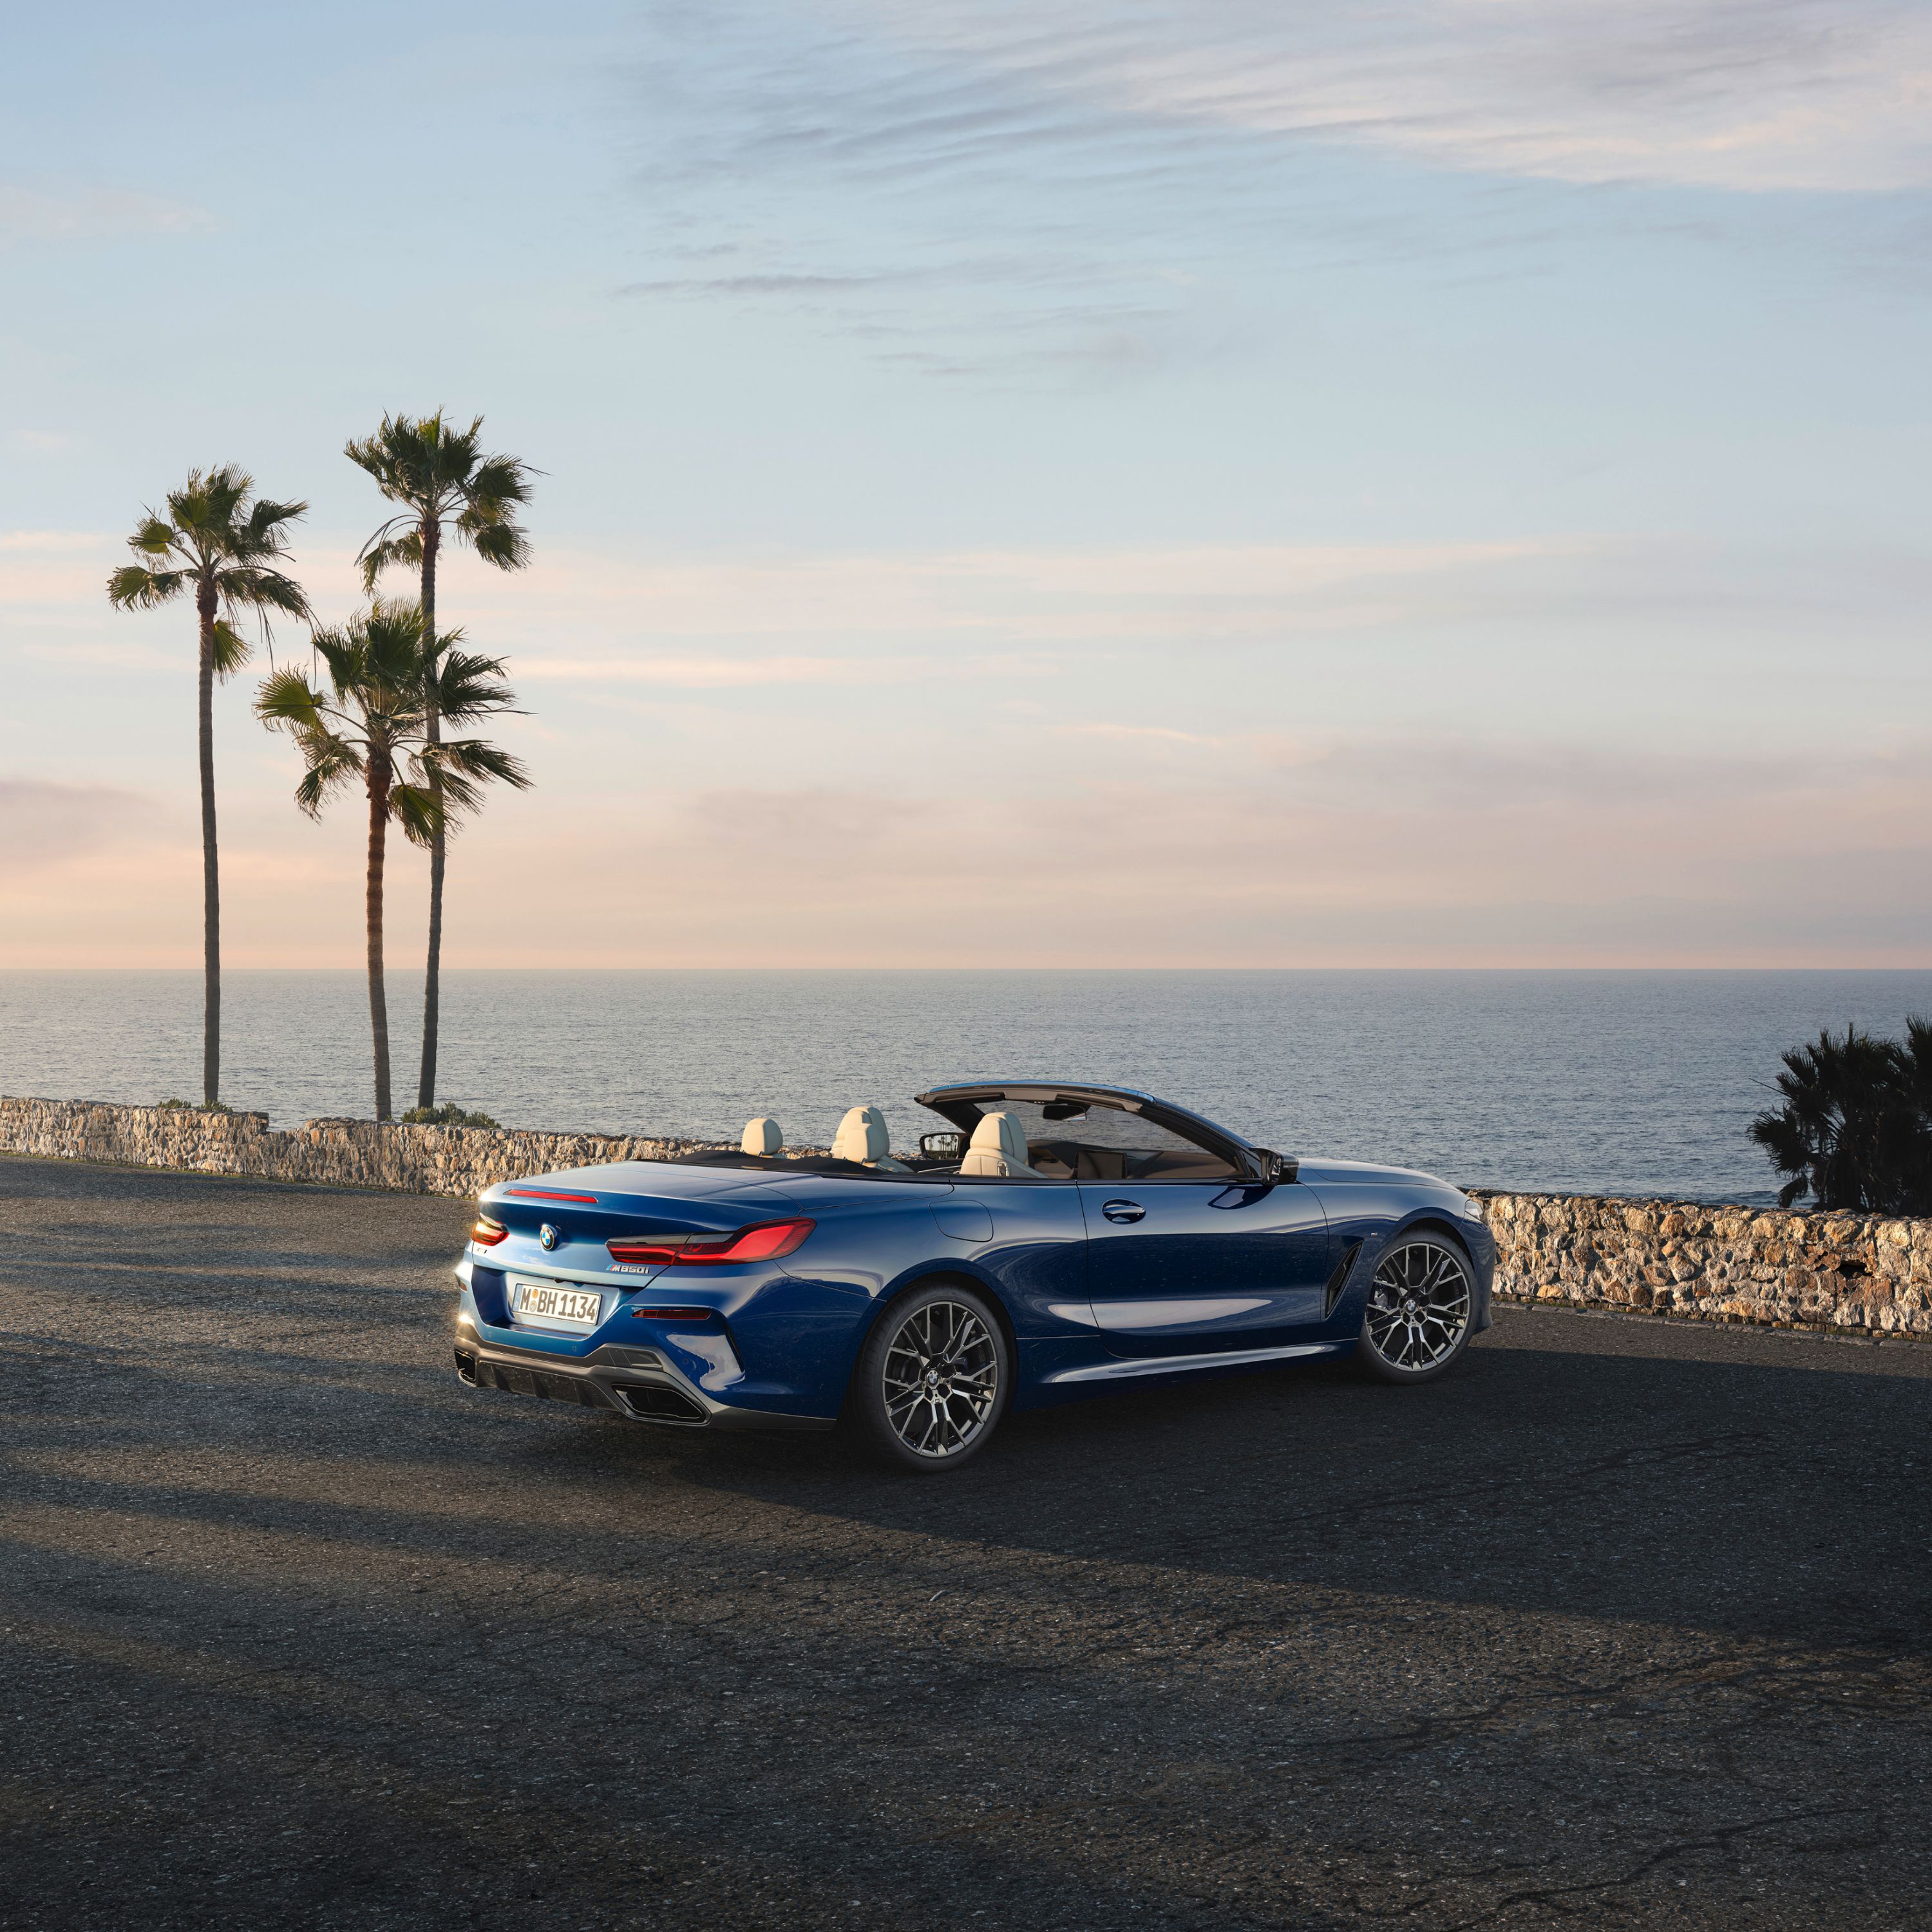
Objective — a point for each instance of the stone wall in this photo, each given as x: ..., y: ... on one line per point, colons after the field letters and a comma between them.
x: 350, y: 1153
x: 1845, y: 1273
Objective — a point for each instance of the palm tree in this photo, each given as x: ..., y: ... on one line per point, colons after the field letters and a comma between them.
x: 440, y: 476
x: 1853, y: 1131
x: 372, y: 723
x: 223, y: 542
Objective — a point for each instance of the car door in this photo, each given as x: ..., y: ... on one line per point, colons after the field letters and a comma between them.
x: 1029, y: 1236
x: 1190, y: 1266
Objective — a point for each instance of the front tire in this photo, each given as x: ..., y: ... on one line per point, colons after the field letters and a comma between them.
x: 933, y: 1378
x: 1421, y: 1300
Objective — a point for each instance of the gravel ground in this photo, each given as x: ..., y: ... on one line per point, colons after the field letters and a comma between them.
x: 1624, y: 1623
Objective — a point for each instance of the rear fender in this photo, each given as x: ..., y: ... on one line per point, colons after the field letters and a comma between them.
x: 936, y: 1274
x: 950, y: 1273
x: 801, y: 1337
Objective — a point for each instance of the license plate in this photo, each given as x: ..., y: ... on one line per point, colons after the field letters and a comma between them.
x: 567, y: 1307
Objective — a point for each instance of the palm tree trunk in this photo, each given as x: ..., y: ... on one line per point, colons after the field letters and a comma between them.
x: 379, y: 1005
x: 433, y: 734
x: 211, y: 872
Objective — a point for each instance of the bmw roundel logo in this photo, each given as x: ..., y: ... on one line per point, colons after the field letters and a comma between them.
x: 548, y: 1235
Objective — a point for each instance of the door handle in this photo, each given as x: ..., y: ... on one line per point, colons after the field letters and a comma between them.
x: 1122, y: 1211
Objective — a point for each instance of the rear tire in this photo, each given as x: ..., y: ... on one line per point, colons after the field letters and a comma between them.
x: 1421, y: 1300
x: 933, y: 1378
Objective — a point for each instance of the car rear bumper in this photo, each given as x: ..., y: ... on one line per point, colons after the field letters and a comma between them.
x: 639, y: 1383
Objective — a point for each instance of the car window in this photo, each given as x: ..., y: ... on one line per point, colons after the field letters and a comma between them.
x: 1104, y: 1143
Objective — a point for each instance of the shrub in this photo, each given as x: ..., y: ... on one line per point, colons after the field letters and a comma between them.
x: 449, y: 1114
x: 171, y: 1105
x: 1856, y: 1129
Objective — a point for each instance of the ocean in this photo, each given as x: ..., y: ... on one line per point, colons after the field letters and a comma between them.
x: 1601, y: 1082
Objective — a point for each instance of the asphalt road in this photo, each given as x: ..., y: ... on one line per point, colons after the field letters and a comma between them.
x: 1624, y: 1623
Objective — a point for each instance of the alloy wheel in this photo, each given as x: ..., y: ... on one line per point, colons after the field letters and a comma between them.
x: 1418, y: 1306
x: 941, y: 1379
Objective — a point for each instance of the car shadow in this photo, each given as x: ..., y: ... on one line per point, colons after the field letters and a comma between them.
x: 1779, y: 1499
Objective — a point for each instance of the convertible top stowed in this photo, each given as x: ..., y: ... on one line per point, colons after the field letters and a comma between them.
x: 1059, y: 1238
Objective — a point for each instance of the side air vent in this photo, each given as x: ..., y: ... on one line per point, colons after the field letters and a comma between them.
x: 1339, y: 1280
x: 654, y: 1402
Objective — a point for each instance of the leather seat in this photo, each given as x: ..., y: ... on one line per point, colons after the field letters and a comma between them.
x: 998, y: 1148
x: 762, y: 1136
x: 862, y: 1136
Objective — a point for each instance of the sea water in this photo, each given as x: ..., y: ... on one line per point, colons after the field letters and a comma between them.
x: 1622, y: 1082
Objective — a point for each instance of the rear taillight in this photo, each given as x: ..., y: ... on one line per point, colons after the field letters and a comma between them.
x: 768, y: 1241
x: 643, y: 1248
x: 488, y: 1233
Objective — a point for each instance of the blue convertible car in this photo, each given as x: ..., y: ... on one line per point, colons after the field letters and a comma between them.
x: 1051, y: 1241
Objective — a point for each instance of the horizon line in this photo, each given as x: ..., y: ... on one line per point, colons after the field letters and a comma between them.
x: 358, y: 970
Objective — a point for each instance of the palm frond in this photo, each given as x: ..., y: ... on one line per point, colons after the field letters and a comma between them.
x: 248, y: 586
x: 417, y: 809
x: 134, y: 587
x: 154, y: 536
x: 502, y: 544
x: 460, y: 769
x: 263, y: 532
x: 382, y: 553
x: 228, y: 486
x: 231, y: 650
x: 402, y: 518
x: 392, y: 641
x: 209, y: 504
x: 343, y: 658
x: 498, y: 482
x: 368, y: 453
x: 455, y: 456
x: 375, y: 667
x: 468, y: 686
x: 189, y: 512
x: 287, y: 701
x: 333, y: 763
x: 1917, y: 1051
x: 462, y: 798
x: 468, y: 761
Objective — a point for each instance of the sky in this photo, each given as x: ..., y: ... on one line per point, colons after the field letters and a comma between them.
x: 1166, y: 483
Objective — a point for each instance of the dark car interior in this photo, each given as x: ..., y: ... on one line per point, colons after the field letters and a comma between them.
x: 1074, y: 1139
x: 1078, y: 1160
x: 999, y: 1137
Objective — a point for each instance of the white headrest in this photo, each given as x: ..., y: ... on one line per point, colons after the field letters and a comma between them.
x: 762, y: 1136
x: 1001, y: 1134
x: 862, y: 1136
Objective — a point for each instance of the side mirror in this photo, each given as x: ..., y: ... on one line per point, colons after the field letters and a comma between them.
x: 1275, y: 1166
x: 942, y: 1147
